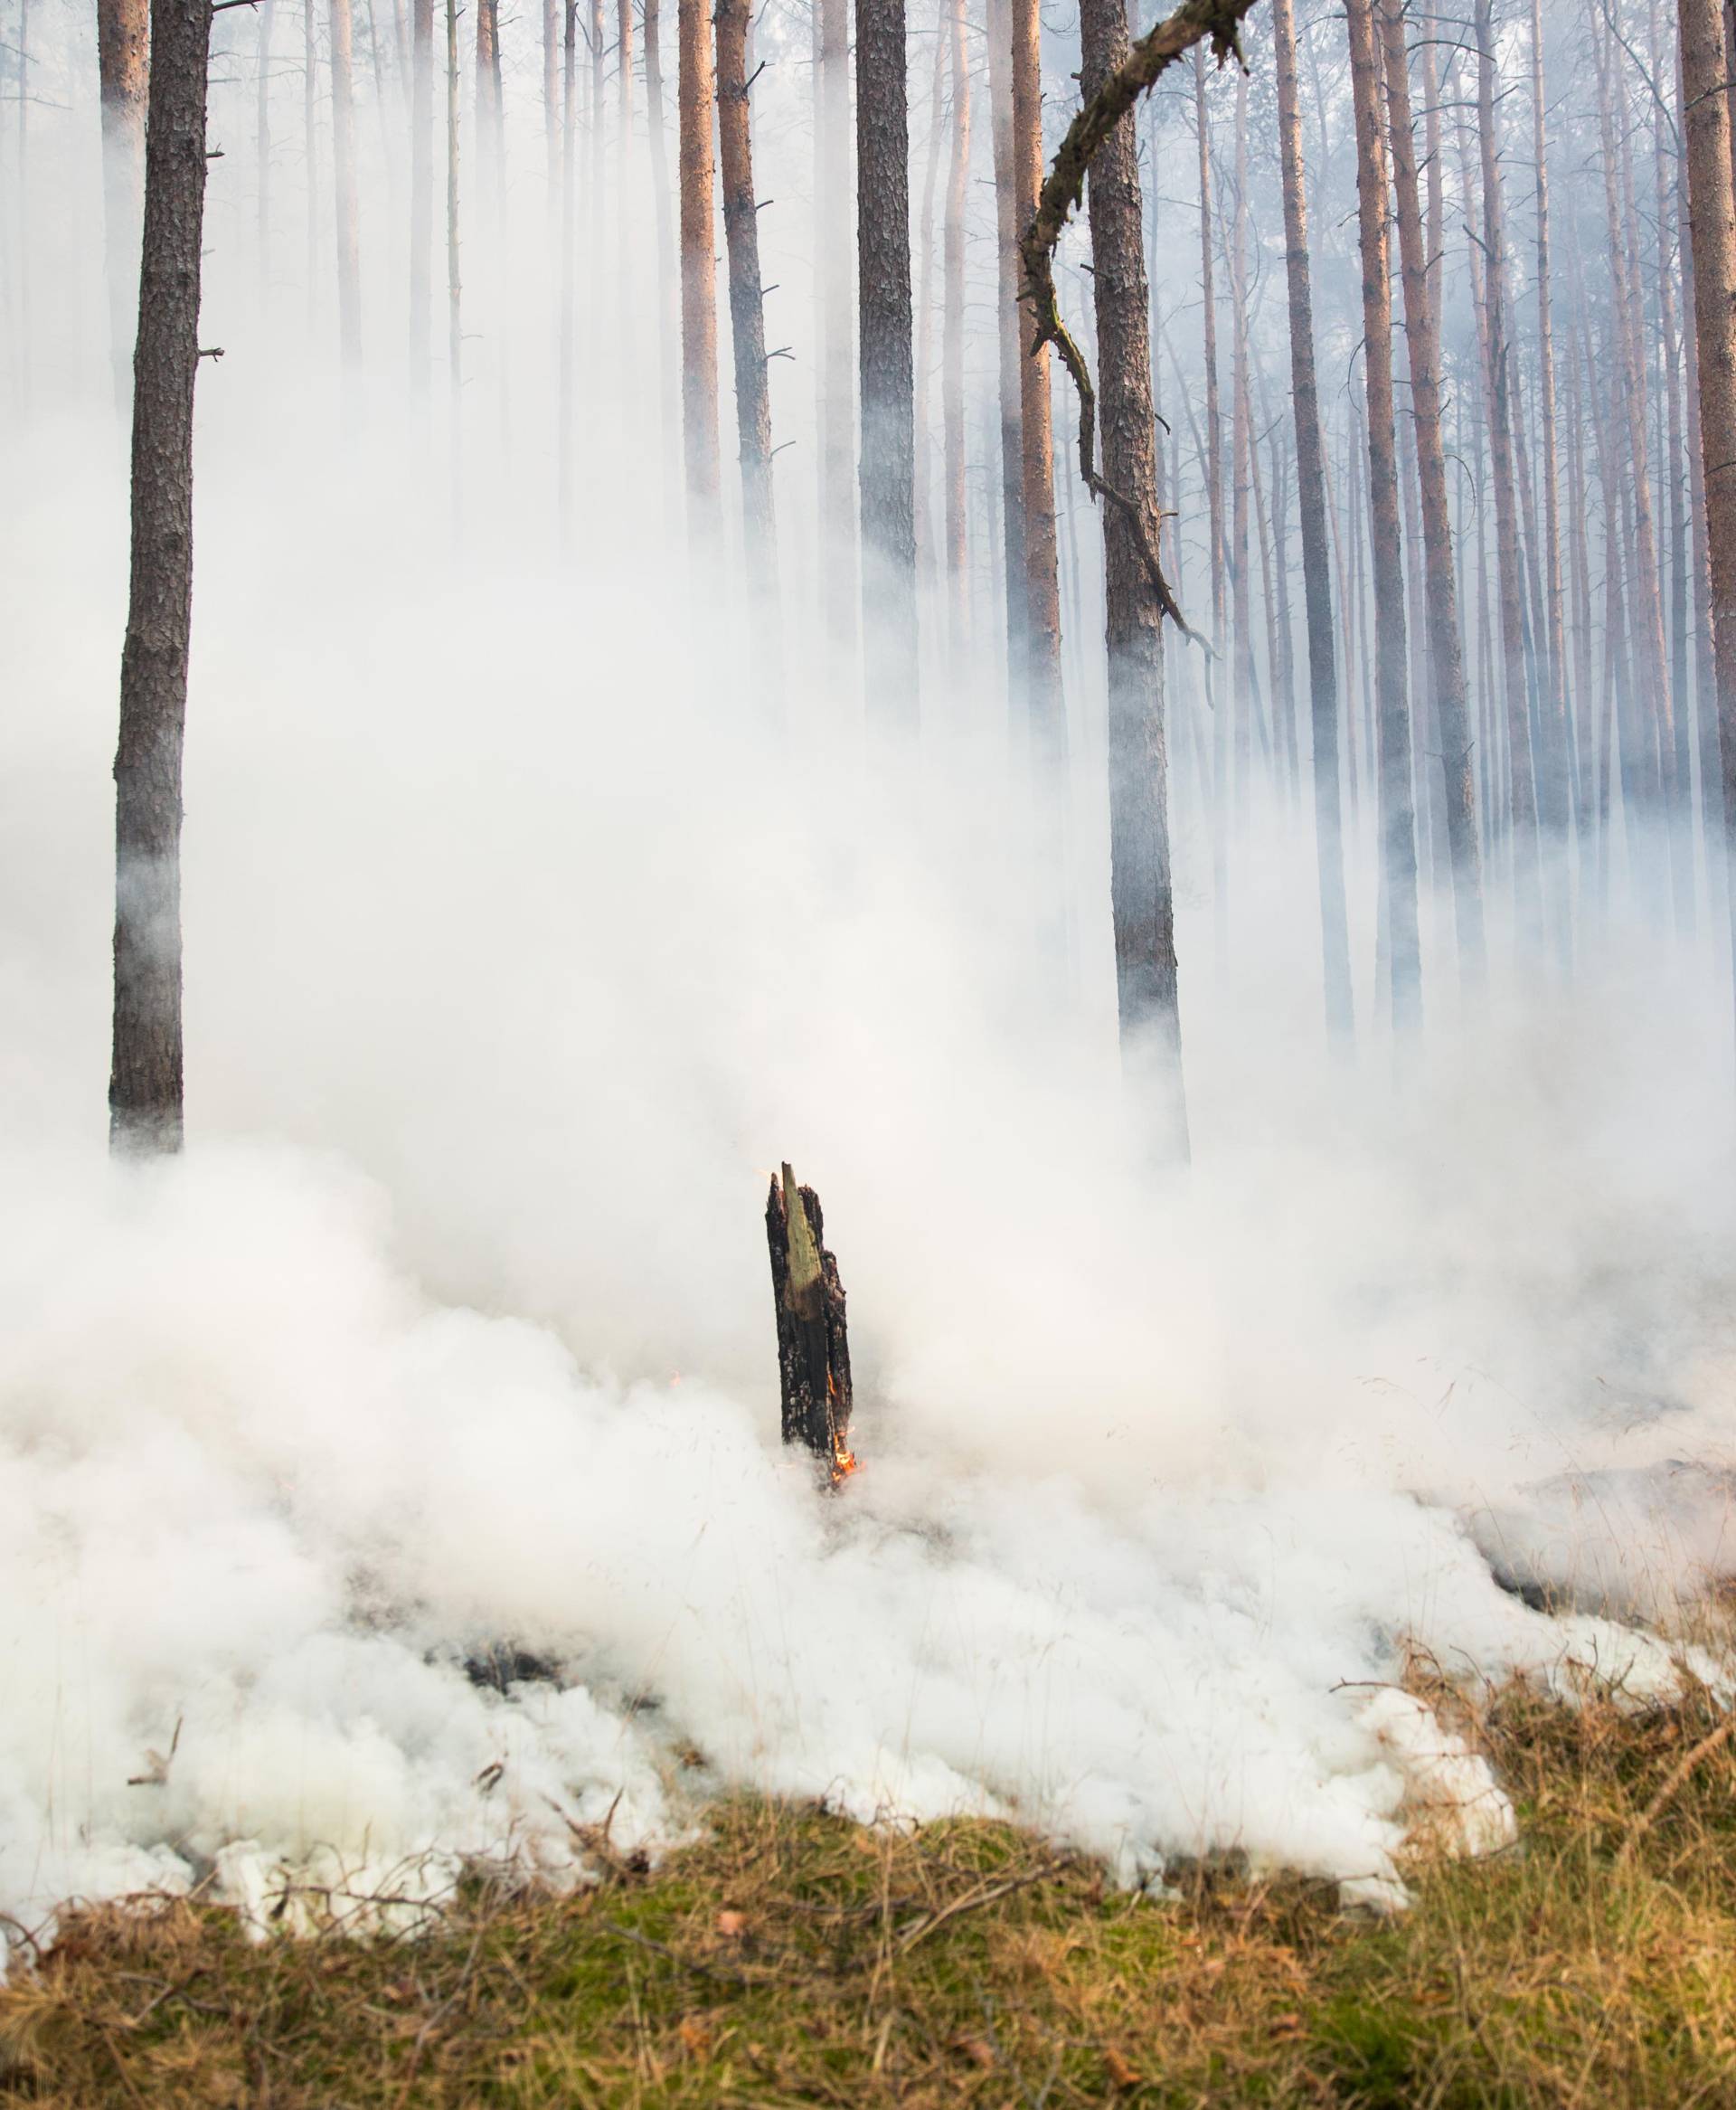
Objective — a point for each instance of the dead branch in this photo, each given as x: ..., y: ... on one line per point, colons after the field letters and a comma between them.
x: 1062, y: 189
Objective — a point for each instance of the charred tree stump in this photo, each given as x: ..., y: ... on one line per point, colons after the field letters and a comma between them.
x: 813, y: 1346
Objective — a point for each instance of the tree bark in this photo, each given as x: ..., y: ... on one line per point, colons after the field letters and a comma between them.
x: 952, y: 354
x: 1711, y: 204
x: 1497, y: 367
x: 146, y: 1111
x: 1316, y: 575
x: 747, y: 319
x: 123, y: 44
x: 814, y: 1383
x: 1446, y: 662
x: 669, y: 274
x: 698, y: 275
x: 888, y: 465
x: 1141, y: 893
x: 1045, y: 716
x: 1010, y: 322
x: 1393, y: 716
x: 836, y: 371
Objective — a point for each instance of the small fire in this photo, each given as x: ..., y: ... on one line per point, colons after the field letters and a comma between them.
x: 844, y: 1462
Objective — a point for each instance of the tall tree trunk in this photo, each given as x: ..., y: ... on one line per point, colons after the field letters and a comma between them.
x: 122, y: 47
x: 1242, y: 466
x: 349, y: 239
x: 1010, y: 322
x: 952, y: 352
x: 1046, y: 717
x: 1142, y: 897
x: 888, y: 470
x: 836, y: 371
x: 421, y: 189
x: 1713, y: 223
x: 145, y: 1078
x: 698, y: 275
x: 1554, y: 641
x: 1316, y: 576
x: 668, y: 275
x: 1498, y: 368
x: 1445, y: 663
x: 748, y: 327
x: 1392, y: 720
x: 924, y: 311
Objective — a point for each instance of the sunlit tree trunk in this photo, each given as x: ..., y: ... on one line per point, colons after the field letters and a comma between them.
x: 1554, y: 642
x: 887, y: 475
x: 1393, y: 716
x: 146, y: 1111
x: 698, y: 274
x: 262, y: 146
x: 1311, y: 510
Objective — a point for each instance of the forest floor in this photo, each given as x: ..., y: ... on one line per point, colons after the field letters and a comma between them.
x: 789, y: 1957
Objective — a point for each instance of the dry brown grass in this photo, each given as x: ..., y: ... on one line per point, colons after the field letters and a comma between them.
x: 790, y: 1958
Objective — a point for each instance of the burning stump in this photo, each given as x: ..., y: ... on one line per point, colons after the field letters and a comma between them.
x: 813, y: 1347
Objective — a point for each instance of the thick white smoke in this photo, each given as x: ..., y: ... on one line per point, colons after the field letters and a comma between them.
x: 525, y: 936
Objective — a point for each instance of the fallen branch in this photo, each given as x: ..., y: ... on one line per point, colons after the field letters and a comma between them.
x: 1062, y: 189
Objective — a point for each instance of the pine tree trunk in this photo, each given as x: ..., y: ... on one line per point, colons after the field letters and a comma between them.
x: 1316, y: 576
x: 349, y: 239
x: 952, y: 352
x: 1712, y: 223
x: 746, y: 323
x: 1142, y: 897
x: 1553, y: 641
x: 1445, y: 663
x: 698, y: 275
x: 144, y: 1080
x: 1242, y: 469
x: 1009, y: 322
x: 1045, y: 710
x: 924, y: 311
x: 887, y: 475
x: 123, y: 44
x: 669, y: 274
x: 836, y: 370
x: 1392, y: 718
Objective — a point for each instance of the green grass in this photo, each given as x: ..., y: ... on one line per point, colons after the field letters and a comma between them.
x: 788, y: 1957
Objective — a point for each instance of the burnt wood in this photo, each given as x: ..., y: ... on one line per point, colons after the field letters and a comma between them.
x: 813, y: 1346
